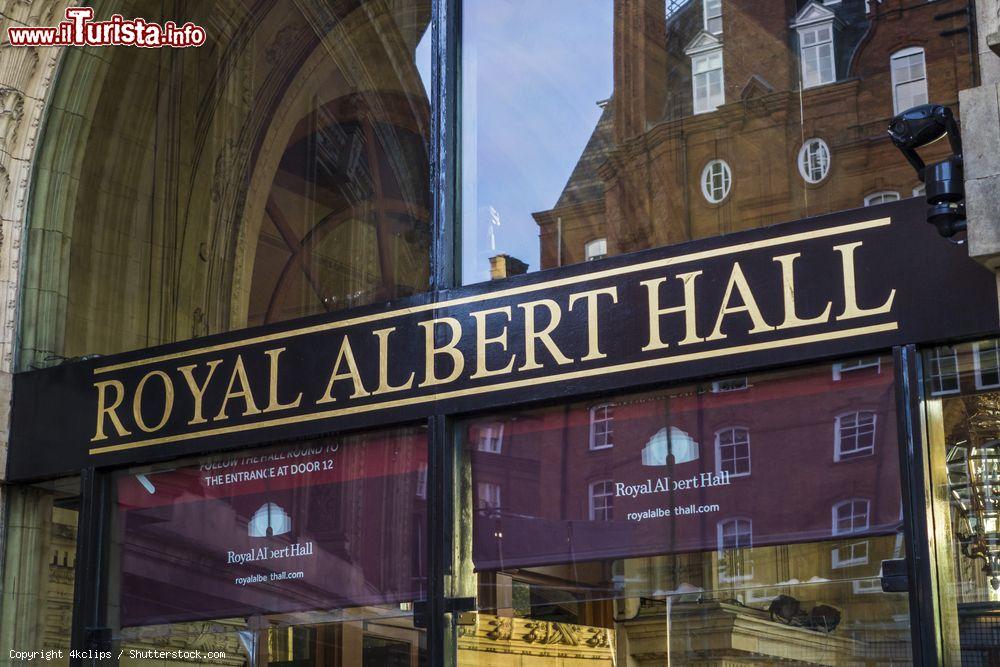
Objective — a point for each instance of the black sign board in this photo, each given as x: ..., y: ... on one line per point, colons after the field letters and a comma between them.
x: 835, y: 285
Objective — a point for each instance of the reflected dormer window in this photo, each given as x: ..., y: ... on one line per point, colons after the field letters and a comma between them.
x: 707, y: 80
x: 815, y: 26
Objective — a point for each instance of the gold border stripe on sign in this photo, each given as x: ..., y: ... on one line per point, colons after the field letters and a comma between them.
x: 513, y: 384
x: 596, y: 275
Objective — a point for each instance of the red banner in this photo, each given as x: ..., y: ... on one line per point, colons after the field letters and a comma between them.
x: 318, y: 525
x: 792, y: 457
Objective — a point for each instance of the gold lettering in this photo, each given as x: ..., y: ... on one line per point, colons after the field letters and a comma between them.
x: 108, y: 411
x: 346, y: 356
x: 739, y: 281
x: 482, y: 341
x: 168, y: 401
x: 688, y: 308
x: 788, y: 287
x: 451, y: 349
x: 241, y: 373
x: 272, y: 401
x: 851, y: 309
x: 532, y: 336
x: 198, y: 393
x: 383, y: 364
x: 593, y: 346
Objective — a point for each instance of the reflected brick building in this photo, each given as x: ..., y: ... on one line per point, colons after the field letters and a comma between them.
x: 730, y: 82
x: 560, y: 496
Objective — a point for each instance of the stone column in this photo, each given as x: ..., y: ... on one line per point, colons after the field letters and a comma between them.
x: 981, y: 137
x: 25, y: 82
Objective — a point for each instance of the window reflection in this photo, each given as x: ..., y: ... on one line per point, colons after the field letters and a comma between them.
x: 279, y: 171
x: 39, y: 576
x: 665, y: 546
x: 962, y: 416
x: 648, y: 124
x: 273, y: 556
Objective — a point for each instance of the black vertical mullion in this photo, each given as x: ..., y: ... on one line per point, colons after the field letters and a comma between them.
x: 439, y: 528
x: 444, y: 144
x: 924, y: 627
x: 88, y: 629
x: 444, y: 272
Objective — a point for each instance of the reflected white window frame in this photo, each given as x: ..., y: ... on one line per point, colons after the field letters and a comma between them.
x: 488, y: 496
x: 602, y: 432
x: 817, y: 49
x: 490, y: 438
x: 716, y: 178
x: 865, y: 586
x: 978, y: 366
x: 920, y: 190
x: 842, y: 368
x: 937, y: 357
x: 849, y: 555
x: 740, y: 529
x: 763, y: 594
x: 712, y: 14
x: 730, y: 384
x: 422, y: 482
x: 859, y: 451
x: 595, y: 249
x: 707, y: 73
x: 601, y: 491
x: 740, y: 438
x: 852, y: 505
x: 881, y: 197
x: 898, y: 81
x: 814, y: 160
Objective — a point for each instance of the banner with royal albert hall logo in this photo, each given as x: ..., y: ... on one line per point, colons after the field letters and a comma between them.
x: 301, y: 527
x: 779, y: 458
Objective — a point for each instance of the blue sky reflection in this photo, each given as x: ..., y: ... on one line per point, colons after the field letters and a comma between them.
x: 532, y: 75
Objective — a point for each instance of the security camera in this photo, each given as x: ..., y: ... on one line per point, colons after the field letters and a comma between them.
x: 922, y: 126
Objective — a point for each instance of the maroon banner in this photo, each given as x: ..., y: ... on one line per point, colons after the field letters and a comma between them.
x: 787, y: 457
x: 301, y: 527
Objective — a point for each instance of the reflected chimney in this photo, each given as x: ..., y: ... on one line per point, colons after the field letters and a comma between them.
x: 505, y: 266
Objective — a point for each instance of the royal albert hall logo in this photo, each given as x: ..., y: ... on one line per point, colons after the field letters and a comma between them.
x: 80, y: 29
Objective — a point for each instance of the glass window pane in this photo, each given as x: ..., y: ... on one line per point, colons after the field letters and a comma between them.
x: 39, y: 575
x: 275, y: 548
x: 600, y: 128
x: 962, y: 419
x: 672, y: 526
x: 278, y: 171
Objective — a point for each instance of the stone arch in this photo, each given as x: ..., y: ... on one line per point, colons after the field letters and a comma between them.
x: 154, y: 169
